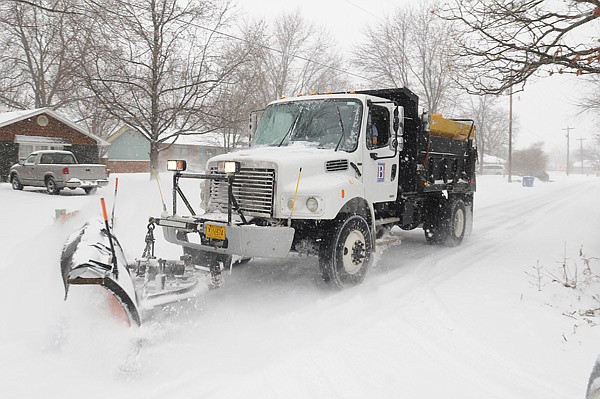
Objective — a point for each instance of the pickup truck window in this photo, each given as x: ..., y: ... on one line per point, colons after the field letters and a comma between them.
x: 58, y: 158
x: 316, y: 123
x: 30, y: 159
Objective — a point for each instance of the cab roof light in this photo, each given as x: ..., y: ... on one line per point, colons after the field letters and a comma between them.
x: 229, y: 167
x: 178, y: 165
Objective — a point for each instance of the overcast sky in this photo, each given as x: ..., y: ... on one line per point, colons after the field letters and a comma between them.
x: 544, y: 109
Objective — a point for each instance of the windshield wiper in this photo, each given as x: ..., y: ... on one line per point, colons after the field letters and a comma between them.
x: 292, y: 126
x: 341, y: 127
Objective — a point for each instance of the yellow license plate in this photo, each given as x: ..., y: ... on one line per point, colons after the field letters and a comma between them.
x: 216, y: 232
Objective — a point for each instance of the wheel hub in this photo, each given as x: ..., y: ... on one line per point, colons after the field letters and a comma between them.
x: 459, y: 221
x: 354, y: 252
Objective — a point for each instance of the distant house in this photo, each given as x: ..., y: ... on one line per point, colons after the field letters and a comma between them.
x: 22, y: 132
x: 129, y: 151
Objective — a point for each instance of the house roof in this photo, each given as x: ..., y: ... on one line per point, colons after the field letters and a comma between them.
x: 8, y: 118
x: 122, y: 130
x: 213, y: 139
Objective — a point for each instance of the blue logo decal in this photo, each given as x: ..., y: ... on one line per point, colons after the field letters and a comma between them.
x: 380, y: 172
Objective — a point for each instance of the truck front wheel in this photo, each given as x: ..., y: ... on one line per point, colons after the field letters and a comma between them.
x: 346, y: 252
x: 16, y: 184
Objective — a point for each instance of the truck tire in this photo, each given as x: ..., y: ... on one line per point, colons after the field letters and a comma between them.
x: 16, y: 183
x: 90, y: 190
x: 456, y: 219
x: 51, y: 186
x: 446, y: 225
x: 346, y: 252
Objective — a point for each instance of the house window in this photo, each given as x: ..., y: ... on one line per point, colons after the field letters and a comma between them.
x: 26, y: 149
x: 29, y: 144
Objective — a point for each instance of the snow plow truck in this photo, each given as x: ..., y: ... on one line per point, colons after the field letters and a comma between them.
x: 325, y: 175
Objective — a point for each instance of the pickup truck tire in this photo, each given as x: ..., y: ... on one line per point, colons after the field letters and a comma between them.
x: 51, y: 186
x: 346, y: 252
x: 16, y: 183
x: 446, y: 224
x: 90, y: 190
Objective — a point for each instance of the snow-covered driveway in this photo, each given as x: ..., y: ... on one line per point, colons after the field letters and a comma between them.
x: 428, y: 322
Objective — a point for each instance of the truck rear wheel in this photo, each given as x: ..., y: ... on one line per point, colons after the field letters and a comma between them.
x: 456, y: 218
x: 51, y: 186
x: 347, y: 252
x: 447, y: 225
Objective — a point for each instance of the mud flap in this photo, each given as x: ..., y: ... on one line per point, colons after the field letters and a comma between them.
x: 87, y: 259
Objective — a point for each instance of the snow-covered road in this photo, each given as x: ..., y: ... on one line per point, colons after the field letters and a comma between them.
x: 428, y: 321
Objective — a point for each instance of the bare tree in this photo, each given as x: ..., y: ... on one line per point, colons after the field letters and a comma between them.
x: 154, y: 65
x: 491, y: 122
x: 297, y: 57
x: 37, y: 66
x: 505, y: 42
x: 412, y: 48
x: 590, y: 102
x: 244, y: 91
x: 530, y: 161
x: 288, y: 56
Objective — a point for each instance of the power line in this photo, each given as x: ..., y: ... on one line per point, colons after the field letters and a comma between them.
x: 281, y: 52
x: 214, y: 30
x: 363, y: 9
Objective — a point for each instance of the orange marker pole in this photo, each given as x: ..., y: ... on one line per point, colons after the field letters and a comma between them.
x: 115, y: 269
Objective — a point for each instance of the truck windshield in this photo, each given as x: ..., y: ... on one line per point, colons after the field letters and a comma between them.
x: 331, y: 123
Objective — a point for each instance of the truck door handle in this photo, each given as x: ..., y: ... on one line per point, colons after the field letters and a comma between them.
x: 394, y: 169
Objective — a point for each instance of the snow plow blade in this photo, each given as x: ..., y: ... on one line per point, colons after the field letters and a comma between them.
x: 87, y: 259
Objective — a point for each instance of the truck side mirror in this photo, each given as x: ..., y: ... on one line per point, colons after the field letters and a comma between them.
x: 396, y: 120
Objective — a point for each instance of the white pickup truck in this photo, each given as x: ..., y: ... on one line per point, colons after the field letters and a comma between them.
x: 56, y: 170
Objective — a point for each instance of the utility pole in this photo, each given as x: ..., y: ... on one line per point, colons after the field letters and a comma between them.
x: 581, y: 151
x: 568, y: 129
x: 510, y: 119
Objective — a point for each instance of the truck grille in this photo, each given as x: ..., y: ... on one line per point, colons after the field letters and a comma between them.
x: 252, y: 188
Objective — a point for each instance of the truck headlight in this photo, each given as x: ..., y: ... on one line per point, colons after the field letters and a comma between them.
x: 312, y: 204
x: 229, y: 167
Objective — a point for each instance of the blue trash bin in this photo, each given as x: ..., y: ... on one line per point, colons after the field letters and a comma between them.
x: 528, y: 181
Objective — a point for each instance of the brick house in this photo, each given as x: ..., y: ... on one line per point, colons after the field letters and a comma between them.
x: 22, y: 132
x: 129, y: 151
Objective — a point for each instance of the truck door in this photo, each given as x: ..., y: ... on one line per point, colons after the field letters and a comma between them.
x: 380, y: 163
x: 27, y: 172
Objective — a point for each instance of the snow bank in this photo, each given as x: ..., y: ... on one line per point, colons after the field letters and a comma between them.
x: 464, y: 322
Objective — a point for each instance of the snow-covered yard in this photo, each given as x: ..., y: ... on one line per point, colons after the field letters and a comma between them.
x: 428, y: 322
